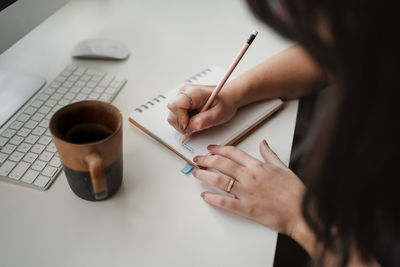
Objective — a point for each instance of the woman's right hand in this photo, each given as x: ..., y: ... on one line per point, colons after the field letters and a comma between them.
x: 190, y: 99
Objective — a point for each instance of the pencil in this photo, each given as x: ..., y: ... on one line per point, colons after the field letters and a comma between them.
x: 225, y: 78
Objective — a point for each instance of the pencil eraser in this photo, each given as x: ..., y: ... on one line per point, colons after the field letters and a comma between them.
x: 187, y: 169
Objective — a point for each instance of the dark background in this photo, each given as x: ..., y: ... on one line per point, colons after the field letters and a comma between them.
x: 6, y: 3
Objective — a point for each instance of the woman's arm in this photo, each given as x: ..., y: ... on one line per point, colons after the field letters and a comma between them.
x: 289, y: 74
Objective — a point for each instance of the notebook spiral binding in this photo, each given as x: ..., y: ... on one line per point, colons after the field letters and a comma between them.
x: 157, y: 99
x: 150, y: 103
x: 198, y: 75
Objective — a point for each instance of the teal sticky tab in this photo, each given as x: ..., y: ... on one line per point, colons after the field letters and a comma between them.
x: 187, y: 169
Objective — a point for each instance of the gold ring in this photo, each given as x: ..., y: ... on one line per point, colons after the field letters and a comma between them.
x: 230, y: 185
x: 190, y: 99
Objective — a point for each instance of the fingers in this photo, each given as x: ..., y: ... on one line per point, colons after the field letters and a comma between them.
x: 231, y: 152
x: 216, y: 179
x: 222, y: 164
x: 203, y: 120
x: 269, y: 156
x: 191, y: 97
x: 225, y: 202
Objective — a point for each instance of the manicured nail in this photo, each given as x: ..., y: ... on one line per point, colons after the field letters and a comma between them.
x: 210, y: 147
x: 195, y: 159
x: 203, y: 194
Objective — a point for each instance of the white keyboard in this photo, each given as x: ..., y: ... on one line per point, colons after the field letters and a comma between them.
x: 28, y: 156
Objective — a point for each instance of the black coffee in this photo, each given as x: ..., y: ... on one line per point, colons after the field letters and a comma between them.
x: 87, y: 132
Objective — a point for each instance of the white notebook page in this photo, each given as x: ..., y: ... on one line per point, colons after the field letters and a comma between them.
x: 152, y: 118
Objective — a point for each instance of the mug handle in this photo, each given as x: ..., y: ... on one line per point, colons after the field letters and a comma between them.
x: 97, y: 176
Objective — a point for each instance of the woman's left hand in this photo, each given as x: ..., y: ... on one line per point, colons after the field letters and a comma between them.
x: 269, y: 193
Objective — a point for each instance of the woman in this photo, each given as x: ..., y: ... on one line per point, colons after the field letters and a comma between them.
x: 347, y: 211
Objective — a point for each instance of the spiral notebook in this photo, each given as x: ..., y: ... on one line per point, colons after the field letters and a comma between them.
x: 151, y: 118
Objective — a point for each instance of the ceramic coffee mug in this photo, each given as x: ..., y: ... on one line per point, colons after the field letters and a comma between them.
x: 88, y: 137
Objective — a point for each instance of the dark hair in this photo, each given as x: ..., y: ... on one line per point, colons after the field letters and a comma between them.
x: 353, y: 196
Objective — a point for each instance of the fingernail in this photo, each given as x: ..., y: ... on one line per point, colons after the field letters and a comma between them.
x: 265, y: 142
x: 195, y: 159
x: 194, y: 171
x: 210, y: 147
x: 203, y: 194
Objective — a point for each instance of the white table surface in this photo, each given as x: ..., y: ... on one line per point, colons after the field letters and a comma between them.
x: 157, y: 218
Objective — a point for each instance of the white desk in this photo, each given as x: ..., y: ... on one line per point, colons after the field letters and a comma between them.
x: 158, y: 217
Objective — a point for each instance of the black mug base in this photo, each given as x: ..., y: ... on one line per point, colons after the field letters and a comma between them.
x: 81, y: 183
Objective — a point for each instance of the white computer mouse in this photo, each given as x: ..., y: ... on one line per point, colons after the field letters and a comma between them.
x: 100, y: 49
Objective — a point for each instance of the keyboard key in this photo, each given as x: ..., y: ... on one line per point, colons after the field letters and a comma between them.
x: 43, y: 96
x: 50, y: 90
x: 8, y: 149
x: 105, y: 97
x: 46, y: 156
x: 16, y: 140
x: 50, y: 114
x: 31, y: 139
x: 16, y: 156
x: 16, y: 125
x: 24, y: 147
x: 44, y: 123
x: 3, y: 141
x: 96, y: 78
x: 30, y: 176
x: 7, y: 167
x: 39, y: 130
x: 49, y: 171
x: 51, y: 147
x: 41, y: 181
x: 93, y: 96
x: 68, y: 84
x: 55, y: 162
x: 31, y: 124
x: 3, y: 157
x: 39, y: 165
x: 19, y: 170
x: 24, y: 132
x: 37, y: 148
x: 38, y: 117
x: 86, y: 90
x: 66, y: 73
x: 60, y: 78
x: 79, y: 71
x: 8, y: 133
x: 91, y: 84
x: 106, y: 80
x: 56, y: 96
x: 30, y: 110
x: 50, y: 103
x: 36, y: 103
x: 81, y: 96
x: 44, y: 109
x: 111, y: 90
x: 85, y: 78
x: 30, y: 157
x: 62, y: 90
x: 44, y: 140
x: 69, y: 96
x: 23, y: 117
x: 75, y: 89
